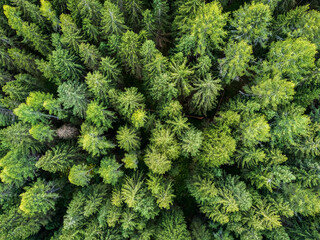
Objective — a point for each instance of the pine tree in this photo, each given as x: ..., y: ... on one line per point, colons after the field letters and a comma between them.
x: 80, y: 175
x: 112, y: 20
x: 23, y: 61
x: 181, y: 74
x: 191, y: 142
x: 98, y: 115
x: 299, y: 22
x: 109, y: 67
x: 45, y: 195
x: 290, y: 125
x: 71, y: 34
x: 236, y: 61
x: 29, y: 31
x: 129, y: 50
x: 205, y: 97
x: 42, y: 132
x: 273, y: 92
x: 128, y: 139
x: 66, y: 65
x: 73, y: 95
x: 49, y: 13
x: 172, y: 226
x: 99, y: 85
x: 134, y: 10
x: 90, y: 55
x: 253, y: 130
x: 292, y: 58
x: 17, y: 167
x: 30, y: 11
x: 110, y: 170
x: 251, y: 23
x: 205, y: 30
x: 17, y: 136
x: 217, y: 147
x: 127, y: 102
x: 93, y: 141
x: 59, y: 158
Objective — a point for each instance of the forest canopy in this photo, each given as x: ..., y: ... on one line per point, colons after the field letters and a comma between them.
x: 159, y: 120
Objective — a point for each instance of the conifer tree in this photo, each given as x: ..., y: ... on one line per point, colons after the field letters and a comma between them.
x: 236, y: 61
x: 58, y: 158
x: 48, y: 12
x: 205, y: 31
x: 129, y: 50
x: 98, y: 84
x: 110, y: 170
x: 128, y: 139
x: 112, y: 20
x: 93, y: 141
x: 17, y: 167
x: 29, y: 31
x: 80, y: 175
x: 45, y: 194
x: 65, y: 64
x: 251, y: 23
x: 73, y: 96
x: 205, y: 97
x: 71, y: 34
x: 292, y: 58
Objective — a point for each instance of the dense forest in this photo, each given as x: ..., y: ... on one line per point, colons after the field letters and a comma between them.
x: 159, y: 119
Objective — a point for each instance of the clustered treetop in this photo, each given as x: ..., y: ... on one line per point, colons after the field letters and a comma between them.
x: 164, y: 120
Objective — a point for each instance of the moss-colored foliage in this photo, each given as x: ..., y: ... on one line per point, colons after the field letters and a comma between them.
x: 159, y: 120
x: 80, y: 175
x: 46, y: 195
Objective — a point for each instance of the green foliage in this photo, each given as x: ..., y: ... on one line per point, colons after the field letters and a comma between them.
x: 59, y: 158
x: 29, y: 31
x: 80, y: 175
x: 191, y: 142
x: 48, y: 12
x: 173, y: 226
x: 92, y: 141
x: 90, y: 55
x: 273, y: 92
x: 127, y: 102
x: 66, y: 65
x: 290, y: 124
x: 300, y: 22
x: 205, y: 31
x: 45, y: 195
x: 138, y: 118
x: 206, y: 92
x: 236, y: 61
x: 251, y: 23
x: 128, y: 139
x: 161, y: 189
x: 112, y: 20
x: 98, y: 115
x: 130, y: 160
x: 42, y: 133
x: 73, y: 96
x: 162, y: 150
x: 129, y: 49
x: 182, y: 119
x: 71, y: 34
x: 98, y: 84
x: 17, y: 136
x: 16, y: 167
x: 253, y: 130
x: 110, y: 170
x: 292, y: 58
x: 217, y: 147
